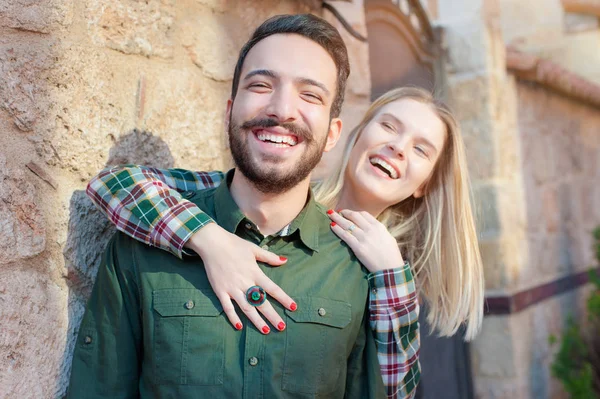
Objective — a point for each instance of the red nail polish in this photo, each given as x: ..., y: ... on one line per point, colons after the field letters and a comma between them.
x: 339, y: 210
x: 266, y: 329
x: 332, y: 224
x: 238, y: 326
x: 282, y: 258
x: 281, y: 326
x: 329, y: 212
x: 293, y: 306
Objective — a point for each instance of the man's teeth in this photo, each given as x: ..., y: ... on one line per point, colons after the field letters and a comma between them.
x: 277, y: 139
x: 386, y: 166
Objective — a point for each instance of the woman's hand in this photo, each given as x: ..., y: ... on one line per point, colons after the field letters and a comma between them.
x: 370, y: 241
x: 230, y: 264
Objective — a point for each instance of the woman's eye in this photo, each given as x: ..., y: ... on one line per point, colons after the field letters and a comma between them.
x: 387, y: 126
x: 421, y: 151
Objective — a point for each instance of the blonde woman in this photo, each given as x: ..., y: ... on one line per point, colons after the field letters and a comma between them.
x: 402, y: 191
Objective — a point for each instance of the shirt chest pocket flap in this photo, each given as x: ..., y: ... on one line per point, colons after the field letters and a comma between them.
x: 188, y: 344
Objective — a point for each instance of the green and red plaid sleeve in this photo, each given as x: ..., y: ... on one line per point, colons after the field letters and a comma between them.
x: 146, y: 203
x: 394, y: 318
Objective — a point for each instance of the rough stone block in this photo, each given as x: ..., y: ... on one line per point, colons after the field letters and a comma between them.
x: 480, y: 148
x: 468, y: 43
x: 214, y: 45
x: 185, y: 102
x: 493, y: 265
x: 470, y: 97
x: 24, y: 61
x: 533, y: 24
x: 33, y: 335
x: 36, y: 15
x: 488, y: 213
x: 22, y: 225
x: 133, y: 27
x: 493, y: 350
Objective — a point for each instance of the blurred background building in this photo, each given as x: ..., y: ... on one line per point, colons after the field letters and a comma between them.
x: 88, y: 83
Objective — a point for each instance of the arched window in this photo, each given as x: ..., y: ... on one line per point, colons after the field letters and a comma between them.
x: 402, y: 45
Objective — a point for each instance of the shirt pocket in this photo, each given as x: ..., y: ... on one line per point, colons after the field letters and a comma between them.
x: 188, y: 338
x: 316, y: 345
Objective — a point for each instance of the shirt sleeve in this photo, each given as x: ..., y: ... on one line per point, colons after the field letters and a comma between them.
x: 394, y: 319
x: 108, y: 350
x: 147, y: 203
x: 363, y: 379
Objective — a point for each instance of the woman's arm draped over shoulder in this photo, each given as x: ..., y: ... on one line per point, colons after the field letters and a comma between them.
x: 146, y: 204
x: 394, y: 318
x: 393, y: 301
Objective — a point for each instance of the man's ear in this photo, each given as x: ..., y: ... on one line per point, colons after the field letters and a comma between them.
x: 228, y: 115
x: 334, y: 134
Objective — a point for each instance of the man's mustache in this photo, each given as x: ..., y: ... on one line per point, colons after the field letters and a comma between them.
x: 266, y: 123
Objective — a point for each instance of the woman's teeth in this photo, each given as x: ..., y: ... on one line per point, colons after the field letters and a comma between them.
x: 284, y: 141
x: 386, y: 167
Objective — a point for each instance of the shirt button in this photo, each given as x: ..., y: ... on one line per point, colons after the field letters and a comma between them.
x: 188, y: 194
x: 374, y: 291
x: 265, y: 247
x: 248, y: 226
x: 87, y: 339
x: 322, y: 312
x: 253, y: 361
x: 189, y: 305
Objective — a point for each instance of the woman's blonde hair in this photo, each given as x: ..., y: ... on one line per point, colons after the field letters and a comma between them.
x: 435, y: 232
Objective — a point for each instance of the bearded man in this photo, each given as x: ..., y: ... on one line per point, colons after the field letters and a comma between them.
x: 153, y: 327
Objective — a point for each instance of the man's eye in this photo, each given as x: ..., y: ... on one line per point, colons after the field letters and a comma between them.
x: 259, y: 85
x: 313, y: 97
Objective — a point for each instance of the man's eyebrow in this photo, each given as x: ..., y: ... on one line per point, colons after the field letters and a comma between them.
x: 400, y: 123
x: 312, y: 82
x: 262, y: 72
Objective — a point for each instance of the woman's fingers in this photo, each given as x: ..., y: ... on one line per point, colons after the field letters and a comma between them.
x: 344, y: 234
x: 251, y: 312
x: 356, y: 217
x: 276, y: 292
x: 351, y: 227
x: 271, y: 314
x: 229, y: 310
x: 267, y: 257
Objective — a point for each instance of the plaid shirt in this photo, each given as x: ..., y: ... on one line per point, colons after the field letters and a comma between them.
x: 149, y: 205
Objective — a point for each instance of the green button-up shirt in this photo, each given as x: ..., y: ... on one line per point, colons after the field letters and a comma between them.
x: 153, y: 327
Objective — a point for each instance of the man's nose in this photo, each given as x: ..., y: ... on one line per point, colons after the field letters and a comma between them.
x: 283, y: 106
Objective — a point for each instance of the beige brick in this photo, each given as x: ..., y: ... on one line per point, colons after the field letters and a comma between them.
x: 22, y: 225
x: 36, y: 15
x: 138, y: 27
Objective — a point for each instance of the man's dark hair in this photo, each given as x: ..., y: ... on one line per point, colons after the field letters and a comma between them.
x: 312, y: 27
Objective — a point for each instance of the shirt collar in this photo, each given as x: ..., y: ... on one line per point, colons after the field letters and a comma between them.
x: 229, y: 215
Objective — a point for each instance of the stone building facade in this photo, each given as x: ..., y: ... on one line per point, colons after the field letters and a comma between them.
x: 92, y: 83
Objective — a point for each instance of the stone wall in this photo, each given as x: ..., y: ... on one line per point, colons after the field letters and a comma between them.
x: 533, y: 155
x: 85, y: 84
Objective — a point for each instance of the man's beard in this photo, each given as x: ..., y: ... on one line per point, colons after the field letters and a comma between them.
x: 273, y: 180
